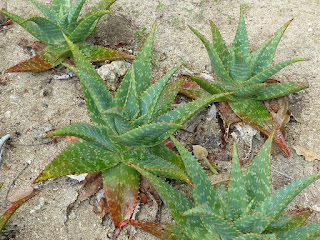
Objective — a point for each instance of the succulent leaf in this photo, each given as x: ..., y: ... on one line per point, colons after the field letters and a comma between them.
x: 240, y: 43
x: 220, y: 45
x: 121, y: 186
x: 183, y: 113
x: 85, y: 28
x: 46, y: 11
x: 160, y: 230
x: 257, y: 177
x: 9, y: 210
x: 79, y: 157
x: 149, y: 134
x: 74, y: 14
x: 276, y: 90
x: 149, y: 98
x: 102, y: 5
x: 237, y: 193
x: 99, y: 136
x: 167, y: 98
x: 303, y: 233
x: 253, y: 223
x: 276, y: 203
x: 239, y: 70
x: 216, y: 62
x: 252, y: 236
x: 263, y: 56
x: 213, y: 222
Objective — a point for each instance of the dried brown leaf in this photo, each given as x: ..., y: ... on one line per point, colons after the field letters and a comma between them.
x: 308, y: 154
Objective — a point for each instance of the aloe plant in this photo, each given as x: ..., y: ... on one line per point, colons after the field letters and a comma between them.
x: 244, y: 210
x: 10, y: 209
x: 244, y: 72
x: 61, y: 18
x: 126, y: 129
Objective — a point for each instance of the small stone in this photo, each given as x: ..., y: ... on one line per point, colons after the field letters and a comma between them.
x: 14, y: 99
x: 20, y: 194
x: 7, y: 114
x: 45, y: 105
x: 72, y: 216
x: 200, y: 152
x: 38, y: 207
x: 38, y: 133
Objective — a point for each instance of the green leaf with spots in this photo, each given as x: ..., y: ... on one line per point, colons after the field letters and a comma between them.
x: 253, y: 223
x: 79, y: 157
x: 240, y: 43
x: 183, y: 113
x: 148, y: 135
x: 257, y: 177
x: 243, y: 72
x: 308, y: 232
x: 237, y: 194
x: 60, y: 19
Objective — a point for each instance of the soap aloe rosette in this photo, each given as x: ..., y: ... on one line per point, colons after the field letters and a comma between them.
x: 60, y: 19
x: 244, y: 72
x: 244, y: 210
x: 126, y: 130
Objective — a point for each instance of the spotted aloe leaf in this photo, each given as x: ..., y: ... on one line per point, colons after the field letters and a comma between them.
x: 126, y: 130
x: 256, y: 213
x: 10, y: 209
x: 243, y: 72
x: 62, y: 19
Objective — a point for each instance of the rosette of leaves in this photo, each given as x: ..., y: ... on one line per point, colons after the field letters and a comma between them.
x: 239, y: 70
x: 244, y: 210
x: 126, y: 130
x: 10, y: 209
x: 60, y: 19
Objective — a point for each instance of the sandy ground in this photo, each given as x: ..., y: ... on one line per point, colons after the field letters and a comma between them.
x: 32, y: 102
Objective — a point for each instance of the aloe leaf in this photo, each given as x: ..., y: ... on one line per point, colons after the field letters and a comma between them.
x: 98, y: 91
x: 117, y: 122
x: 79, y: 157
x: 45, y: 30
x: 217, y: 64
x: 167, y: 97
x: 203, y: 192
x: 131, y: 104
x: 268, y: 72
x: 55, y: 6
x: 257, y: 177
x: 262, y: 57
x: 289, y: 220
x: 210, y: 88
x: 63, y: 23
x: 276, y: 90
x: 161, y: 230
x: 142, y: 64
x: 85, y: 27
x: 41, y: 61
x: 74, y: 14
x: 308, y: 232
x: 193, y: 93
x: 183, y: 113
x: 214, y: 223
x: 152, y: 163
x: 149, y: 134
x: 121, y: 186
x: 240, y: 43
x: 150, y: 97
x: 102, y: 5
x: 276, y: 203
x: 255, y: 113
x: 247, y: 91
x: 239, y: 70
x: 222, y: 199
x: 220, y: 45
x: 46, y: 11
x: 252, y: 236
x: 99, y: 136
x: 9, y: 210
x: 98, y: 53
x: 168, y: 155
x: 177, y: 203
x: 237, y: 194
x: 253, y: 223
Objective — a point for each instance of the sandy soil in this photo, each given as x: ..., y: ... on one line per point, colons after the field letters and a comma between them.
x: 32, y: 103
